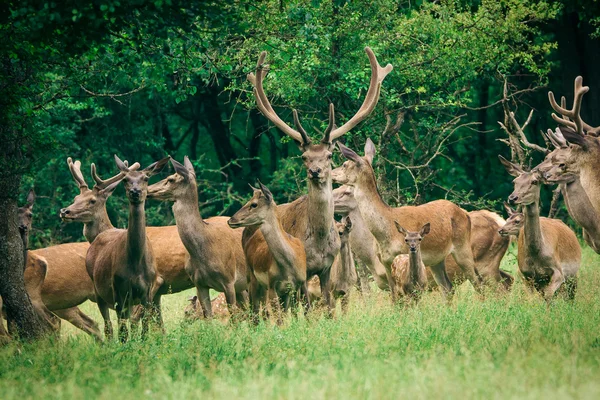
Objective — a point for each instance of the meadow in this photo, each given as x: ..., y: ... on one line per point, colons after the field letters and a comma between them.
x: 491, y: 346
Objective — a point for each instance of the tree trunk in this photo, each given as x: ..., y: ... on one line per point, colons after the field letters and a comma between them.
x: 19, y: 309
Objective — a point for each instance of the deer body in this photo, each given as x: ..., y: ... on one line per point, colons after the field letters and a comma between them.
x: 343, y: 271
x: 409, y: 273
x: 216, y: 258
x: 548, y: 251
x: 279, y: 263
x: 121, y: 261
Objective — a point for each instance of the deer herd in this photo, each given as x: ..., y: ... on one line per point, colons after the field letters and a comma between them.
x: 270, y: 258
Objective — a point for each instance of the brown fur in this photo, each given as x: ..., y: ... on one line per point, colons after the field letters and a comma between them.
x: 450, y: 225
x: 343, y: 271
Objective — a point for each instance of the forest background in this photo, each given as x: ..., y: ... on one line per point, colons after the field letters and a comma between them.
x: 89, y: 79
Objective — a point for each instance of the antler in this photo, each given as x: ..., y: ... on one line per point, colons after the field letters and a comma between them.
x: 103, y: 184
x: 332, y: 132
x: 264, y: 106
x: 75, y: 168
x: 378, y: 74
x: 572, y: 118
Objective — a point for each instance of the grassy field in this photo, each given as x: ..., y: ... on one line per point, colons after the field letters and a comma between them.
x: 499, y: 346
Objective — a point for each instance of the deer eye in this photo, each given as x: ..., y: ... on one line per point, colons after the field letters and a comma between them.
x: 405, y: 240
x: 93, y: 201
x: 329, y: 156
x: 304, y: 158
x: 171, y: 180
x: 562, y: 165
x: 253, y: 205
x: 420, y: 239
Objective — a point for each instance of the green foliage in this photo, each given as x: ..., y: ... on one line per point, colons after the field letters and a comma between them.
x: 474, y: 348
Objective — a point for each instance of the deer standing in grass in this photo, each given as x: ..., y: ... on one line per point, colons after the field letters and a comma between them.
x: 343, y: 271
x: 121, y: 261
x: 89, y: 208
x: 548, y: 251
x: 216, y: 256
x: 450, y: 225
x: 280, y: 263
x: 310, y: 218
x: 409, y: 273
x: 575, y: 164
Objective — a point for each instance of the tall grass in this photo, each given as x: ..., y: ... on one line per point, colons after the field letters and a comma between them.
x: 495, y: 346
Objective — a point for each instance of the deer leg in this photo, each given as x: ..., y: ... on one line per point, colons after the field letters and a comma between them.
x: 80, y: 320
x: 204, y: 299
x: 305, y: 297
x: 555, y: 282
x: 464, y: 258
x: 104, y: 311
x: 157, y: 312
x: 242, y: 299
x: 441, y: 278
x: 230, y: 298
x: 326, y: 290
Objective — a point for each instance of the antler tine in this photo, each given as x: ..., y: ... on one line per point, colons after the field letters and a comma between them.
x: 263, y: 104
x: 575, y: 113
x: 75, y: 168
x: 102, y: 184
x: 299, y: 127
x: 331, y: 126
x: 378, y: 74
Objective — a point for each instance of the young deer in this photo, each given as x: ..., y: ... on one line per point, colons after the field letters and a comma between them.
x: 409, y: 274
x: 513, y: 224
x: 121, y: 261
x: 280, y: 263
x: 362, y: 242
x: 311, y: 218
x: 548, y: 251
x: 343, y: 271
x: 451, y: 227
x: 216, y: 256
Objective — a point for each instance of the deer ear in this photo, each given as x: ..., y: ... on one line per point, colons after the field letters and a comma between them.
x: 265, y: 191
x: 181, y: 169
x: 509, y: 209
x: 121, y: 165
x: 574, y: 138
x: 107, y: 191
x: 156, y: 167
x: 30, y: 198
x: 369, y: 151
x: 512, y: 169
x: 425, y: 229
x: 400, y: 228
x: 349, y: 154
x: 188, y: 165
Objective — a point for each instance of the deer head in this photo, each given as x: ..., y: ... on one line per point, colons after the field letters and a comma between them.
x: 25, y: 214
x: 179, y: 185
x: 356, y: 169
x: 514, y: 223
x: 89, y: 204
x: 563, y: 163
x: 344, y: 227
x: 343, y: 200
x: 136, y: 182
x: 411, y: 238
x: 255, y: 211
x: 317, y: 157
x: 527, y: 184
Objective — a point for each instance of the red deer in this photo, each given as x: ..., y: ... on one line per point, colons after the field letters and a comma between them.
x: 548, y: 251
x: 216, y: 256
x: 409, y: 273
x: 343, y: 271
x: 121, y: 261
x: 280, y: 264
x: 310, y: 218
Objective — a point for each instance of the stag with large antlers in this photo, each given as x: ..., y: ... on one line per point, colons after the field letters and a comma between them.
x: 450, y: 225
x: 216, y: 257
x: 548, y: 251
x: 121, y: 261
x: 310, y: 218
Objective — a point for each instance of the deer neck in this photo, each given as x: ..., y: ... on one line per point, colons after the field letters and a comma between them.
x: 320, y: 208
x: 190, y: 225
x: 580, y: 207
x: 275, y: 237
x: 25, y: 239
x: 589, y: 178
x: 414, y: 265
x: 532, y: 230
x: 136, y: 233
x: 347, y: 259
x: 375, y: 213
x: 97, y: 226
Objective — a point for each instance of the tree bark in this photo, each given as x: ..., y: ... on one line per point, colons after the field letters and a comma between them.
x: 19, y: 309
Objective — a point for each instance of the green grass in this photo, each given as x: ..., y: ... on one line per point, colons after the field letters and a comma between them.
x: 502, y: 346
